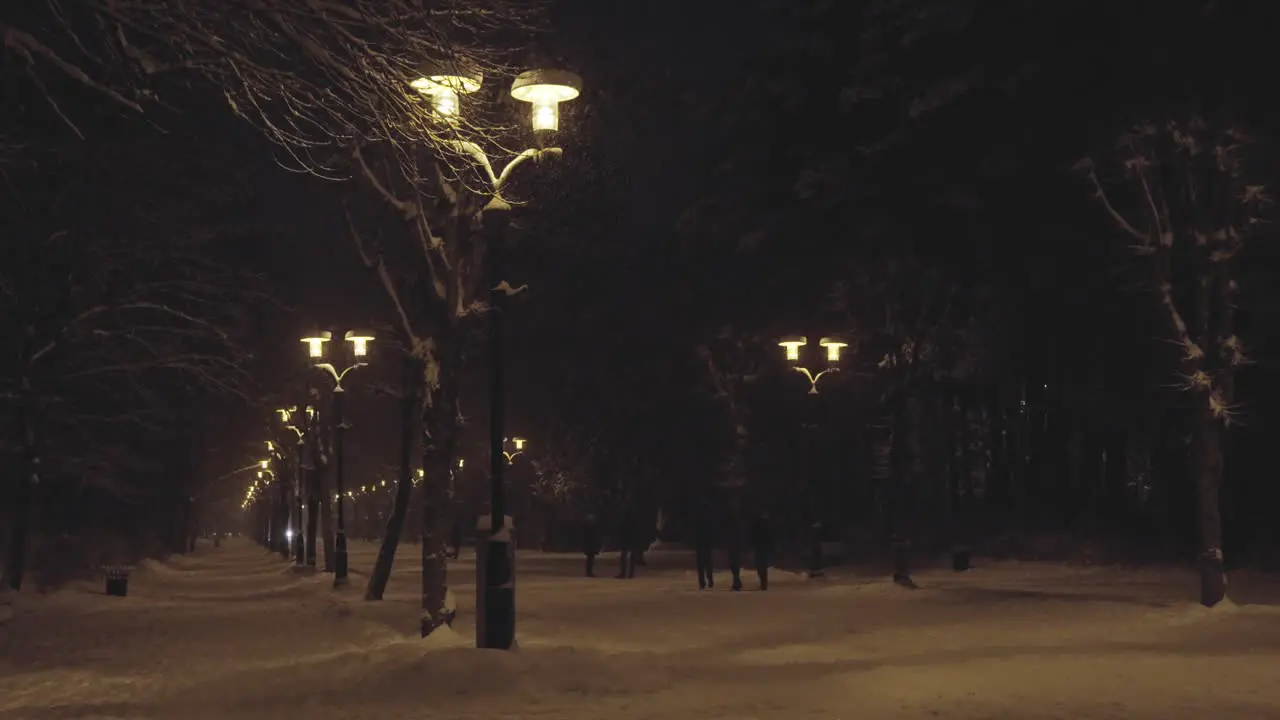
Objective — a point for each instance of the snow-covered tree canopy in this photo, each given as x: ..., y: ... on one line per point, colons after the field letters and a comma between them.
x: 312, y: 75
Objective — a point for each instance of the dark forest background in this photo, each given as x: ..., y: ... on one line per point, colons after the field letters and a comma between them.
x: 893, y: 173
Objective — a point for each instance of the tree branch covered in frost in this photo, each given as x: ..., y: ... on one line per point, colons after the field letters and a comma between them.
x: 733, y: 362
x: 912, y: 321
x: 1188, y: 184
x: 311, y: 75
x: 116, y: 305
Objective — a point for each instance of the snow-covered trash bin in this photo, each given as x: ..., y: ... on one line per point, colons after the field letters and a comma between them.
x: 117, y: 579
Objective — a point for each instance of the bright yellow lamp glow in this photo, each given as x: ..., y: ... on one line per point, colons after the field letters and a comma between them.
x: 263, y: 464
x: 270, y: 448
x: 545, y: 90
x: 461, y: 462
x: 444, y: 84
x: 285, y: 414
x: 793, y: 345
x: 259, y: 474
x: 359, y: 340
x: 315, y: 343
x: 519, y: 443
x: 384, y: 483
x: 833, y: 346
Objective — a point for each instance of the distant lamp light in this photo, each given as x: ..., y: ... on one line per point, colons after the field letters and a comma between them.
x: 259, y: 474
x: 288, y: 534
x: 444, y: 85
x: 462, y: 461
x: 792, y: 346
x: 545, y: 90
x: 359, y: 340
x: 315, y: 342
x: 833, y: 346
x: 285, y: 414
x: 264, y: 464
x: 271, y: 447
x: 384, y: 483
x: 518, y: 442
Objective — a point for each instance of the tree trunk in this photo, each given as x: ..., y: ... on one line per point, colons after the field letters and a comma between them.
x: 900, y: 471
x: 313, y: 513
x: 326, y: 529
x: 410, y: 402
x: 1207, y: 459
x: 24, y: 496
x: 439, y: 441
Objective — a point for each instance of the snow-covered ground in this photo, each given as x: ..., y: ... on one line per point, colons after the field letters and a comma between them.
x: 231, y: 633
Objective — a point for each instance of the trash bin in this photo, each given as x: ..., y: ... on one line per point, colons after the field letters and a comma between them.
x: 117, y: 581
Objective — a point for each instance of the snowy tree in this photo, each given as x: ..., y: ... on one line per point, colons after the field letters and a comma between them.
x: 312, y: 77
x: 448, y: 219
x: 920, y: 337
x: 1185, y: 194
x: 118, y: 303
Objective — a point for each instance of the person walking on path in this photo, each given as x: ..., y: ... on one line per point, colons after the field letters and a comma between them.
x: 591, y: 542
x: 762, y: 548
x: 733, y: 549
x: 628, y: 538
x: 703, y: 542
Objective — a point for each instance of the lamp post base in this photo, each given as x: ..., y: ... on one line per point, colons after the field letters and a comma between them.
x: 495, y: 585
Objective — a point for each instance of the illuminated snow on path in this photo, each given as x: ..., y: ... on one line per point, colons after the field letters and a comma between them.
x: 232, y: 633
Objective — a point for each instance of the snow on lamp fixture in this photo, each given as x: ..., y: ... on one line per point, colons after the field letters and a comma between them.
x: 444, y: 86
x: 545, y: 90
x: 792, y: 346
x: 833, y: 346
x: 359, y: 340
x: 315, y: 342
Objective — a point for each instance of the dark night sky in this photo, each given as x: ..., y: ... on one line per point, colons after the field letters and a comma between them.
x: 697, y: 124
x: 619, y: 281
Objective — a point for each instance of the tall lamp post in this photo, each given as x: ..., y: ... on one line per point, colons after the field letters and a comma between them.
x: 516, y: 442
x: 833, y: 347
x: 544, y: 90
x: 266, y: 476
x: 299, y: 537
x: 317, y: 343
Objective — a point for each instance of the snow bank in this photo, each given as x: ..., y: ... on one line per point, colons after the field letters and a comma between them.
x: 1025, y: 640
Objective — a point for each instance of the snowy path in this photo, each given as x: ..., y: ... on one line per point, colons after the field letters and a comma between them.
x: 230, y: 633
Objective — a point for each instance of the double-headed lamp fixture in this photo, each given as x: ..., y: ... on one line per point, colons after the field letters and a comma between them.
x: 544, y: 89
x: 317, y: 343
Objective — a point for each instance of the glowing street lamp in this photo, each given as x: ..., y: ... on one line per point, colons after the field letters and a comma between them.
x: 833, y: 346
x: 304, y: 539
x: 315, y: 342
x: 516, y: 442
x: 443, y: 85
x: 545, y: 89
x: 316, y: 352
